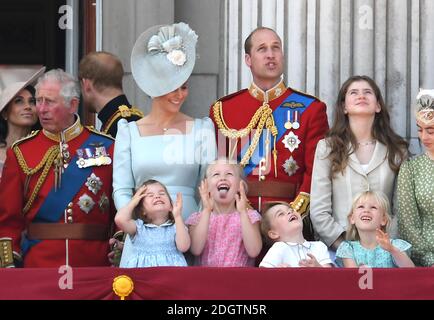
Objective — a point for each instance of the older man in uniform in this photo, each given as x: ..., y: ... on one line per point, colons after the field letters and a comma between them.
x: 271, y: 129
x: 55, y: 194
x: 100, y: 75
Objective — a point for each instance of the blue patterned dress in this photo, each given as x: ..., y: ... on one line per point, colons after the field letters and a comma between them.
x: 153, y: 246
x: 374, y: 258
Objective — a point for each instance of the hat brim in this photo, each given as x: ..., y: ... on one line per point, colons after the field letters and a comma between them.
x: 153, y: 72
x: 12, y: 90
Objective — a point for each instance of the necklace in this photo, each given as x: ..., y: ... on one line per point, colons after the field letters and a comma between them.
x: 367, y: 143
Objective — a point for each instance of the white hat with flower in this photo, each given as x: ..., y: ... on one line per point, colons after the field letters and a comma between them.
x: 425, y: 106
x: 163, y: 58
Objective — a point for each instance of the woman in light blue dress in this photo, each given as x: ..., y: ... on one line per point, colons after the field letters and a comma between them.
x: 165, y: 145
x: 177, y: 160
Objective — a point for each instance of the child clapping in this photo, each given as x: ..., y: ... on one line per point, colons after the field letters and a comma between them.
x: 226, y: 232
x: 367, y: 242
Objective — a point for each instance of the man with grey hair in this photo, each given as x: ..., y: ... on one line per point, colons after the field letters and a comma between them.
x: 55, y: 194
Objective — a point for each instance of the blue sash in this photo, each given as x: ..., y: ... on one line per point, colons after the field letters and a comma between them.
x: 280, y: 117
x: 56, y: 201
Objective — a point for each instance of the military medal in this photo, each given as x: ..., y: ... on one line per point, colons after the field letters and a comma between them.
x: 288, y: 124
x: 86, y: 203
x: 93, y: 183
x: 102, y: 156
x: 104, y: 203
x: 296, y: 123
x: 290, y: 166
x: 291, y: 141
x: 65, y: 154
x: 96, y: 156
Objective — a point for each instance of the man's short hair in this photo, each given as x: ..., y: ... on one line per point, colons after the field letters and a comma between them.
x: 103, y: 68
x: 248, y: 41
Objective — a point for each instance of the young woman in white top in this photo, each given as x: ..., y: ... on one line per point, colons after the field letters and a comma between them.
x: 360, y: 152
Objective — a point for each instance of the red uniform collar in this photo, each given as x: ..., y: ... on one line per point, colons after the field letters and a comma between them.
x: 69, y: 133
x: 269, y: 95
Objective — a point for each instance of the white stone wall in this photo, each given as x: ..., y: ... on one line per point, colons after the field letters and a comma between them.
x: 122, y: 23
x: 327, y: 41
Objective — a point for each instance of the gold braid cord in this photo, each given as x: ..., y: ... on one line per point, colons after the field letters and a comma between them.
x: 123, y: 111
x: 262, y: 117
x: 46, y: 162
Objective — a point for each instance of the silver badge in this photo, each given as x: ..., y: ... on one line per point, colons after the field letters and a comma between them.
x: 277, y: 92
x: 86, y: 203
x: 104, y: 203
x: 94, y: 183
x: 291, y: 141
x: 290, y: 166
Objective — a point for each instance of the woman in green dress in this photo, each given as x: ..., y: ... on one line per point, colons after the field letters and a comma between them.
x: 416, y: 188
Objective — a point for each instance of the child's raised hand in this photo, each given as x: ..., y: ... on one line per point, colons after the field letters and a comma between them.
x: 312, y: 262
x: 138, y: 196
x: 241, y: 198
x: 177, y: 208
x: 383, y: 240
x: 207, y: 201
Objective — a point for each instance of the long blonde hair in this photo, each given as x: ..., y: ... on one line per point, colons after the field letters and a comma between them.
x: 383, y: 202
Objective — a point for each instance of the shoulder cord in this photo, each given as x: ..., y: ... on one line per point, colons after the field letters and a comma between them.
x: 46, y: 162
x: 263, y: 116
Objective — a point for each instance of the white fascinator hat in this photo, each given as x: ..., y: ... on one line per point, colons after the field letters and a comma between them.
x: 163, y: 58
x: 425, y: 106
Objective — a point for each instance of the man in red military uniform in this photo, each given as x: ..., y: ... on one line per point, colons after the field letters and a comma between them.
x: 271, y: 129
x: 55, y: 193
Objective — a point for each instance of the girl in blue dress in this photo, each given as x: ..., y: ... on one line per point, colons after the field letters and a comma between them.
x: 367, y: 243
x: 155, y: 226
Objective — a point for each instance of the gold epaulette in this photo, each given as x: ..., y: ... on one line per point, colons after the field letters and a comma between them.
x: 306, y: 94
x: 29, y: 136
x: 122, y: 112
x: 301, y: 203
x: 93, y: 130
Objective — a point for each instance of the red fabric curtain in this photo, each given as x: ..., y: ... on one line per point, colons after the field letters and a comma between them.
x: 198, y: 283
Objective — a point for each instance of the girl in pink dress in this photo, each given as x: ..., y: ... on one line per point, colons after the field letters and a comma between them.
x: 226, y: 232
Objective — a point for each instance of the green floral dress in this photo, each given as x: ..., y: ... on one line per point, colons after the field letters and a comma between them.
x: 416, y: 208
